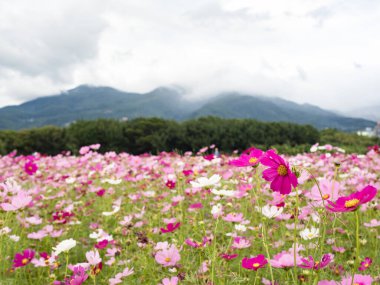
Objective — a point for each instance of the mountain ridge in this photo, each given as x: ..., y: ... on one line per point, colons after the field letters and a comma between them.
x: 91, y: 102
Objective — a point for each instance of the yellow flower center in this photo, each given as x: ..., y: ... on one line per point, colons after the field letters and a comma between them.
x: 252, y: 160
x: 310, y: 235
x: 325, y: 197
x: 366, y: 265
x: 282, y: 170
x: 255, y: 265
x: 25, y: 261
x: 167, y: 259
x: 351, y: 203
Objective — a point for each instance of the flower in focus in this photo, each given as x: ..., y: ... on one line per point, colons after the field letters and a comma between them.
x: 315, y: 265
x: 22, y: 259
x: 279, y: 174
x: 365, y: 264
x: 254, y: 263
x: 64, y: 246
x: 308, y: 234
x: 352, y: 202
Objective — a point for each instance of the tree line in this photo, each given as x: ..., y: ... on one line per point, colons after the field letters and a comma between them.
x: 153, y: 135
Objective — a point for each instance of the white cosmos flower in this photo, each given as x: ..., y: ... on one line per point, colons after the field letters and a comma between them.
x: 240, y: 228
x: 64, y: 246
x: 270, y: 211
x: 205, y: 182
x: 308, y: 234
x: 112, y: 181
x: 228, y: 193
x: 115, y: 208
x: 217, y: 210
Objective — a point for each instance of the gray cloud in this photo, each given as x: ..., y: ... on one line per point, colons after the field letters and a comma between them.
x: 306, y: 51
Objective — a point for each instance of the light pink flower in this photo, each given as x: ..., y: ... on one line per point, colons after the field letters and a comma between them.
x: 168, y: 257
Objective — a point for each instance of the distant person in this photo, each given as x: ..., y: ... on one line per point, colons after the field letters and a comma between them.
x: 216, y: 152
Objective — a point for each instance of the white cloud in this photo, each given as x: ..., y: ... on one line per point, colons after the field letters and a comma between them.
x: 307, y: 51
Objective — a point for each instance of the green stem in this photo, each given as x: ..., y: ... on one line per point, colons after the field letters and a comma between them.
x: 254, y: 283
x: 295, y: 237
x: 67, y: 263
x: 357, y: 247
x: 214, y: 253
x: 264, y: 232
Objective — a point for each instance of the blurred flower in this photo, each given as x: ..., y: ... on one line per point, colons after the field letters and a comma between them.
x: 254, y: 263
x: 352, y: 202
x: 64, y: 246
x: 22, y: 259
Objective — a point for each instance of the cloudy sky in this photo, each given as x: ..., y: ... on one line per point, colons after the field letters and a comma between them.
x: 325, y: 52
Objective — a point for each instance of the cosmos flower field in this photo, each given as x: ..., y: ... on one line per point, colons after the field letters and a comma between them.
x: 196, y: 218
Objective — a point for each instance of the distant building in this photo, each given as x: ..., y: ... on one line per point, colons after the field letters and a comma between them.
x: 369, y: 132
x: 376, y: 130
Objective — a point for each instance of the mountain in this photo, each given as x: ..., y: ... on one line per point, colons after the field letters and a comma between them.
x: 88, y: 102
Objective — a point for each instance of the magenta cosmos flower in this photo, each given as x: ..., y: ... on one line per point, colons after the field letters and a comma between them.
x: 315, y: 265
x: 248, y: 159
x: 22, y: 259
x: 352, y: 202
x: 254, y: 263
x: 365, y: 264
x: 30, y: 167
x: 170, y: 228
x: 279, y: 174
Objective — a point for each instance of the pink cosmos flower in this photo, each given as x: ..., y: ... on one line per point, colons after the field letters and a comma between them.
x: 170, y: 228
x: 79, y: 276
x: 358, y: 279
x: 329, y: 190
x: 30, y: 167
x: 365, y: 264
x: 117, y: 279
x: 19, y: 201
x: 254, y: 263
x: 170, y: 281
x: 285, y: 259
x: 279, y: 174
x: 316, y: 265
x: 228, y: 256
x: 170, y: 184
x: 241, y: 242
x: 22, y: 259
x: 248, y: 159
x: 93, y: 257
x: 234, y: 217
x: 352, y: 202
x: 372, y: 224
x: 168, y: 257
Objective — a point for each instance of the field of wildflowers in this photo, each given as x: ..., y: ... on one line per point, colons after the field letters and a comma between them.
x: 257, y: 218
